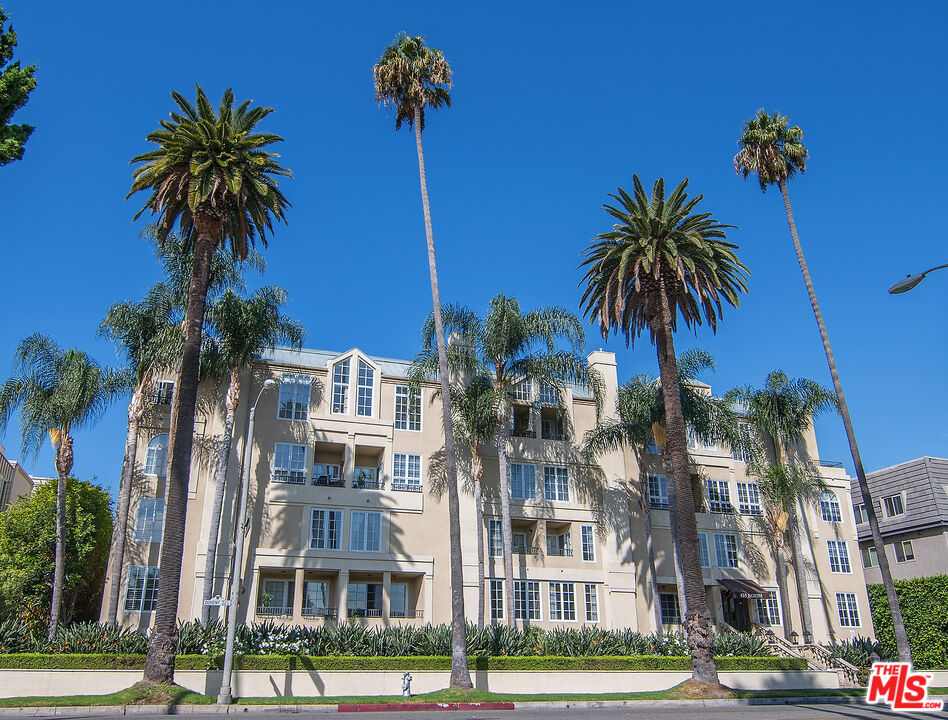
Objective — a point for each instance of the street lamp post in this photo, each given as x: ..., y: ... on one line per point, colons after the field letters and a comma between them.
x: 225, y: 696
x: 911, y: 281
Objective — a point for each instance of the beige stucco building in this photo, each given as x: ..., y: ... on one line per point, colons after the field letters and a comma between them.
x: 349, y: 514
x: 14, y: 480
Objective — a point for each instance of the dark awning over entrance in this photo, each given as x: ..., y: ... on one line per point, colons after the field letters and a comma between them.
x: 744, y: 588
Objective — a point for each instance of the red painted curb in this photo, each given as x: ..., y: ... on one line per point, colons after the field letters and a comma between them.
x: 388, y: 707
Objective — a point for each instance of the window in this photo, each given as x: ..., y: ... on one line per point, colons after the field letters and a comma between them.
x: 725, y: 550
x: 743, y: 452
x: 367, y: 478
x: 548, y: 395
x: 829, y: 507
x: 559, y: 545
x: 526, y: 600
x: 719, y: 496
x: 748, y: 498
x: 366, y: 386
x: 703, y: 550
x: 839, y: 556
x: 592, y: 603
x: 407, y: 408
x: 555, y: 483
x: 658, y: 491
x: 848, y: 609
x: 523, y: 391
x: 893, y: 505
x: 365, y: 531
x: 149, y: 520
x: 653, y: 448
x: 406, y: 473
x: 671, y: 612
x: 398, y: 600
x: 316, y: 601
x: 519, y: 542
x: 294, y: 396
x: 326, y: 529
x: 327, y: 474
x: 859, y: 513
x: 870, y: 558
x: 276, y: 597
x: 495, y: 538
x: 164, y: 392
x: 141, y: 588
x: 562, y: 601
x: 523, y: 481
x: 904, y: 551
x: 588, y: 539
x: 496, y: 599
x: 289, y: 463
x: 156, y: 456
x: 768, y: 610
x: 365, y: 599
x: 340, y: 387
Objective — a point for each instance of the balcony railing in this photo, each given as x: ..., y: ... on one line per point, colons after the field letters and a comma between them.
x: 326, y: 481
x: 317, y: 612
x: 414, y: 614
x: 292, y: 477
x: 526, y: 549
x: 523, y: 433
x: 831, y: 463
x: 367, y: 484
x: 560, y: 552
x: 365, y: 612
x: 274, y: 611
x: 406, y: 486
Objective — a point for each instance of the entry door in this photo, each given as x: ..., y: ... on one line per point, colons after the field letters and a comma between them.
x: 736, y: 612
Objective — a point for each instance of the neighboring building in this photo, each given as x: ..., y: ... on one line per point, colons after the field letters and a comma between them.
x: 911, y: 502
x: 350, y: 515
x: 14, y: 480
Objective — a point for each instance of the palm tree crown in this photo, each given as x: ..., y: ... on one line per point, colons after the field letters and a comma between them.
x: 770, y: 149
x: 411, y: 76
x: 212, y: 163
x: 659, y: 247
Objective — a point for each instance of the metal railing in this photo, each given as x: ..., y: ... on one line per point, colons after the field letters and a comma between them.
x: 326, y: 481
x: 831, y: 463
x: 291, y: 477
x: 406, y: 486
x: 367, y: 484
x: 412, y: 614
x: 560, y: 552
x: 364, y: 612
x: 274, y: 611
x: 317, y: 612
x: 526, y: 549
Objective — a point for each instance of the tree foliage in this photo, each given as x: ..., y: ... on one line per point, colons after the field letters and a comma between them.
x: 924, y: 603
x: 411, y: 76
x: 28, y: 547
x: 16, y: 84
x: 770, y: 149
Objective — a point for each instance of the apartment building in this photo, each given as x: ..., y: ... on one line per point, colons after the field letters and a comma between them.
x: 14, y: 480
x: 912, y: 507
x: 349, y: 513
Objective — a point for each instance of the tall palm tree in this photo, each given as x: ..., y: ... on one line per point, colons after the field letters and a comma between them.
x: 412, y: 77
x: 242, y: 328
x: 661, y: 260
x: 774, y: 152
x: 475, y: 423
x: 211, y: 175
x: 57, y: 391
x: 783, y: 410
x: 509, y: 347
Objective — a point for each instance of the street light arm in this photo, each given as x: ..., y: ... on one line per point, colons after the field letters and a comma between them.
x: 910, y: 281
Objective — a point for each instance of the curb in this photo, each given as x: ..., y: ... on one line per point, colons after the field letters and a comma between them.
x: 388, y: 707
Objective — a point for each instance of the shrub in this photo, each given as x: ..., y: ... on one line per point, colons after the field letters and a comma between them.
x: 924, y: 603
x: 858, y: 651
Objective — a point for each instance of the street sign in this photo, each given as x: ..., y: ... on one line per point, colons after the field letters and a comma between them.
x: 218, y: 601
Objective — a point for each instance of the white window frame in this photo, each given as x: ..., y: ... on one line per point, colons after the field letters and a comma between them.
x: 295, y: 388
x: 704, y: 549
x: 316, y: 610
x: 888, y: 503
x: 746, y: 432
x: 724, y: 545
x: 294, y: 473
x: 145, y: 578
x: 561, y: 545
x: 547, y: 394
x: 522, y: 467
x: 849, y: 616
x: 523, y: 391
x: 748, y: 498
x: 900, y: 555
x: 527, y: 601
x: 718, y: 493
x: 156, y: 456
x: 658, y: 492
x: 591, y: 591
x: 495, y: 599
x: 354, y: 595
x: 149, y: 520
x: 330, y: 516
x: 393, y: 610
x: 285, y: 608
x: 860, y: 515
x: 556, y: 479
x: 870, y: 558
x: 495, y: 538
x: 339, y: 397
x: 333, y: 472
x: 830, y: 509
x: 163, y: 389
x: 518, y: 541
x: 838, y: 552
x: 587, y: 538
x: 674, y: 619
x: 408, y: 417
x: 562, y: 601
x: 771, y: 609
x: 365, y: 389
x: 406, y: 472
x: 363, y: 541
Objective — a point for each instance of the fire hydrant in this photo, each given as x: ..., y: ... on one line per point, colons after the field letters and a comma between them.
x: 406, y: 685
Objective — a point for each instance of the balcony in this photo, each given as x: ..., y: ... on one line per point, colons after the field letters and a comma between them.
x: 411, y: 614
x: 365, y: 612
x: 560, y: 551
x: 274, y: 611
x: 403, y: 486
x: 526, y: 549
x: 319, y: 612
x: 289, y: 477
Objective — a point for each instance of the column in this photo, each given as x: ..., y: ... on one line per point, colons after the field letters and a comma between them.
x: 428, y: 594
x: 342, y: 592
x: 248, y: 597
x: 348, y: 461
x: 386, y: 596
x: 298, y: 594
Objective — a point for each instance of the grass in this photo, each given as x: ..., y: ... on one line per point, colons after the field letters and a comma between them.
x: 137, y: 694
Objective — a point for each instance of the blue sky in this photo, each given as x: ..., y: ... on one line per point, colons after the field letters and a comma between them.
x: 555, y: 104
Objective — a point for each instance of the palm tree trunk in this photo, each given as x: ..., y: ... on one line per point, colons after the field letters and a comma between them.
x: 64, y: 459
x: 162, y: 645
x: 676, y: 538
x: 799, y: 571
x: 460, y: 674
x: 120, y: 531
x: 506, y: 529
x: 780, y: 570
x: 697, y: 620
x: 649, y: 544
x: 220, y: 482
x: 898, y: 624
x: 477, y: 471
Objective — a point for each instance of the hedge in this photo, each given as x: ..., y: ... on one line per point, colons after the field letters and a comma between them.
x: 924, y: 603
x: 33, y: 661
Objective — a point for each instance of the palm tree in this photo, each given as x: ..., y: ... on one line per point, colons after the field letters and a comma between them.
x: 783, y: 411
x: 412, y: 77
x: 242, y: 328
x: 662, y: 259
x: 510, y: 347
x: 475, y: 423
x: 775, y: 152
x: 211, y: 175
x: 57, y: 391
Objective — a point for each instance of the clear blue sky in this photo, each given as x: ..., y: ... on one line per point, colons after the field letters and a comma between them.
x: 556, y: 104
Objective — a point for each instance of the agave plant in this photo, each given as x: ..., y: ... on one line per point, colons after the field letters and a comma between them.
x: 858, y: 651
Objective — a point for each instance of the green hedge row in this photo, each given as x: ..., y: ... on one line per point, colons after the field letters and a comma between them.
x: 31, y: 661
x: 924, y: 603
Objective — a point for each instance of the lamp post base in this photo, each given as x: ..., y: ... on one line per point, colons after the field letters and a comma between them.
x: 225, y: 699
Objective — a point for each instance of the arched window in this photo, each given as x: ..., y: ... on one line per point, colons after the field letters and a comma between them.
x: 156, y: 456
x: 829, y: 507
